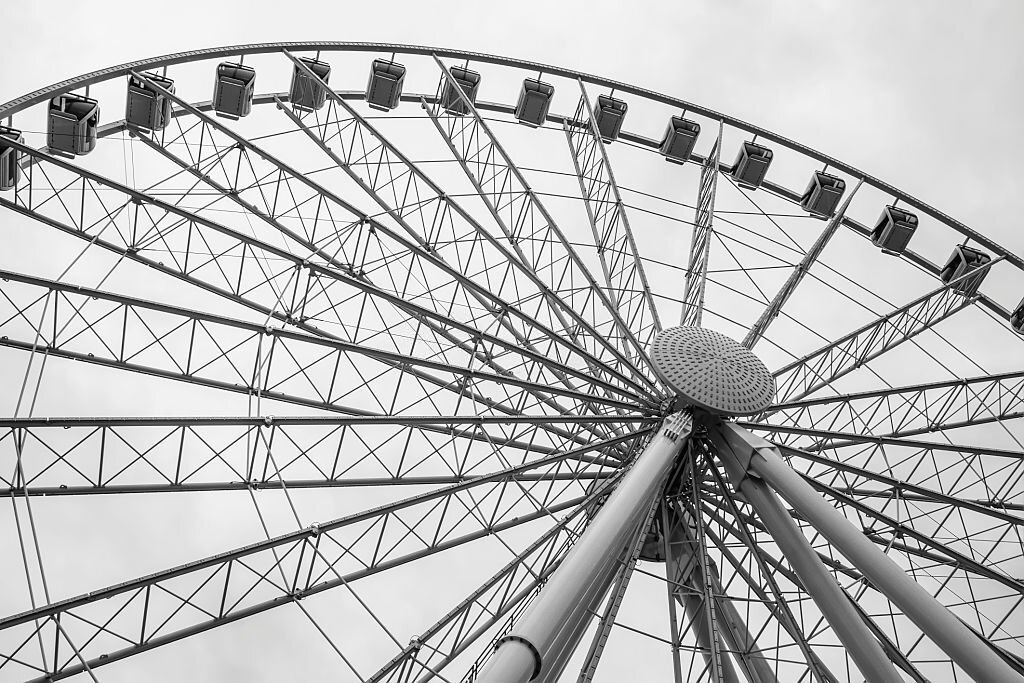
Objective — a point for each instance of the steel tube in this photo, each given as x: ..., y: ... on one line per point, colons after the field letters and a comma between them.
x: 736, y: 454
x: 533, y: 646
x: 962, y: 645
x: 867, y: 653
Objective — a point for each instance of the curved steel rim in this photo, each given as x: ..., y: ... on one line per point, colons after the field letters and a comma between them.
x: 41, y: 95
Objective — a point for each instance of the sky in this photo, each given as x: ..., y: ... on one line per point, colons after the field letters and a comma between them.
x: 924, y: 95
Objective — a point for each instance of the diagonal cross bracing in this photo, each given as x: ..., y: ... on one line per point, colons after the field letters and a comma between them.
x: 133, y: 616
x: 442, y: 227
x: 822, y: 367
x: 268, y: 279
x: 613, y: 238
x: 775, y: 306
x: 77, y: 456
x: 700, y: 244
x: 272, y: 191
x: 525, y: 222
x: 218, y: 352
x: 911, y: 410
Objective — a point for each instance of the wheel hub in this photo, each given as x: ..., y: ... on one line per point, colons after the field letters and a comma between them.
x: 710, y: 371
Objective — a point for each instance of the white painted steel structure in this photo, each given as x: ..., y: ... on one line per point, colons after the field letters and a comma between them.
x: 444, y: 320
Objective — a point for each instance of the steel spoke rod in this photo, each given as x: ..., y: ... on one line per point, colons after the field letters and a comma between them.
x: 532, y: 650
x: 755, y: 464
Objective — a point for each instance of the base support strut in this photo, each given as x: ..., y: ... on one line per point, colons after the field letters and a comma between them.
x: 533, y: 649
x: 754, y: 464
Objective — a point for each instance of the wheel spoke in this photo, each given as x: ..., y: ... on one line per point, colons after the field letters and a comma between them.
x: 527, y: 225
x: 775, y: 306
x: 137, y: 455
x: 442, y: 227
x: 822, y: 367
x: 620, y: 260
x: 911, y: 410
x: 318, y: 558
x: 700, y: 243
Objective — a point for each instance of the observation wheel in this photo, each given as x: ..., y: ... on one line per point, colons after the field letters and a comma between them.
x: 393, y: 363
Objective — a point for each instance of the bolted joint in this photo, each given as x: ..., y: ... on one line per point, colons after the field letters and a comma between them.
x: 677, y: 426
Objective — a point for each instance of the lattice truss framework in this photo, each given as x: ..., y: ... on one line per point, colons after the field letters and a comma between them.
x: 425, y: 307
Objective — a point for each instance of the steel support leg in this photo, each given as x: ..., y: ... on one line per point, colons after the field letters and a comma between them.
x: 851, y: 630
x: 545, y: 630
x: 958, y: 641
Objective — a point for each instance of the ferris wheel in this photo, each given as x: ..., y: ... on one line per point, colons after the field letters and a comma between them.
x: 600, y: 384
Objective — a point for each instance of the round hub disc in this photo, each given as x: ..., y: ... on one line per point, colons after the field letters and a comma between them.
x: 711, y: 371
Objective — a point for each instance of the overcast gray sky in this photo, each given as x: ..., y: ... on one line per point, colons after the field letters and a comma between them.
x: 926, y: 95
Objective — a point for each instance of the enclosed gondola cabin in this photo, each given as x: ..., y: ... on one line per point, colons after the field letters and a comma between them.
x: 384, y: 89
x: 751, y: 165
x: 822, y: 195
x: 534, y: 102
x: 72, y: 125
x: 466, y: 80
x: 233, y: 90
x: 680, y: 137
x: 609, y: 116
x: 893, y: 230
x: 10, y: 170
x: 1017, y: 318
x: 962, y: 262
x: 146, y: 106
x: 306, y: 92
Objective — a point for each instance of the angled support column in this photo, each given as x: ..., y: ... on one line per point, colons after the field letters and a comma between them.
x: 752, y: 459
x: 737, y: 449
x: 548, y: 626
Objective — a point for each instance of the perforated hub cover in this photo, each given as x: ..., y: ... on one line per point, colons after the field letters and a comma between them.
x: 708, y: 370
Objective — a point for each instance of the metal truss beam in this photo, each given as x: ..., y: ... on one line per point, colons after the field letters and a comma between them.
x: 911, y: 410
x: 767, y: 590
x: 532, y: 233
x: 39, y: 457
x: 443, y: 228
x: 695, y: 582
x: 253, y: 273
x: 506, y: 592
x: 897, y: 488
x: 842, y: 437
x: 775, y: 306
x: 772, y: 566
x: 700, y: 243
x: 134, y: 616
x: 275, y: 193
x: 931, y: 548
x: 822, y: 367
x: 68, y: 321
x: 613, y: 238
